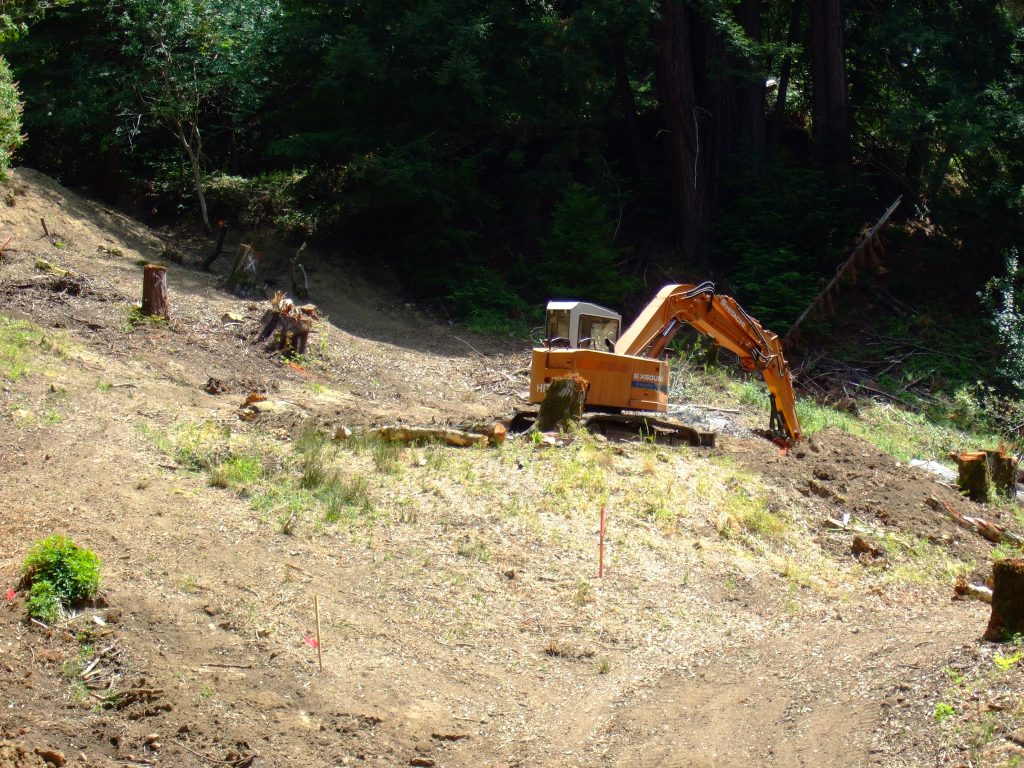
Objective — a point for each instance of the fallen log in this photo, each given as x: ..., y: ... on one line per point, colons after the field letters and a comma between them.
x: 455, y: 437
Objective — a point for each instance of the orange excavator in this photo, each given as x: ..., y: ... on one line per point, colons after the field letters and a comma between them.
x: 625, y: 372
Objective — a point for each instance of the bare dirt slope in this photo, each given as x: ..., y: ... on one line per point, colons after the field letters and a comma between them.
x: 462, y: 620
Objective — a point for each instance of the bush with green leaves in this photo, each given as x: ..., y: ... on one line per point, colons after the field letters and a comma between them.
x: 1004, y: 298
x: 582, y: 261
x: 487, y: 304
x: 10, y: 117
x: 58, y: 573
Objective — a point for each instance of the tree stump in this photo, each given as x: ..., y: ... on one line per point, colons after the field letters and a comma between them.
x: 563, y: 402
x: 982, y: 472
x: 154, y: 291
x: 242, y: 279
x: 1007, y: 617
x: 1004, y: 472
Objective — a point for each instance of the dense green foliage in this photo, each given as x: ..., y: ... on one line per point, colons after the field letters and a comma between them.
x: 59, y: 572
x: 10, y: 117
x: 1004, y: 298
x: 493, y: 155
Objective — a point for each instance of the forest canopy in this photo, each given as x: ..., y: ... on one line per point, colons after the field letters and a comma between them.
x: 494, y: 155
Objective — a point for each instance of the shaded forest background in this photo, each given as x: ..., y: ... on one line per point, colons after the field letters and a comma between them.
x: 494, y: 155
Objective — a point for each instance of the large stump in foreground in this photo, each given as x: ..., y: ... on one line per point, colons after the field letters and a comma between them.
x: 982, y: 472
x: 1007, y: 617
x: 154, y: 291
x: 563, y: 402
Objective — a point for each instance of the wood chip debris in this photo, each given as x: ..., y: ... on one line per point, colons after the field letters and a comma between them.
x: 963, y: 590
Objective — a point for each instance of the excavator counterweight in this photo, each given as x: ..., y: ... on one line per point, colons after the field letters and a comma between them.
x: 631, y: 376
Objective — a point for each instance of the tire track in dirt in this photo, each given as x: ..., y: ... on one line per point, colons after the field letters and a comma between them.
x: 772, y: 705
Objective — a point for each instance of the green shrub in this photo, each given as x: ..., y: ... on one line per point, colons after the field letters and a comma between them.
x: 943, y: 711
x: 43, y: 602
x: 270, y: 199
x: 581, y: 260
x: 10, y: 117
x: 1004, y: 298
x: 59, y: 572
x: 488, y: 304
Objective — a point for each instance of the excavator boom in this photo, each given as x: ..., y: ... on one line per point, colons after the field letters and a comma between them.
x: 623, y: 378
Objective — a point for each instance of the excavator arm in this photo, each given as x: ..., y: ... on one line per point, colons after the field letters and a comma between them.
x: 725, y: 321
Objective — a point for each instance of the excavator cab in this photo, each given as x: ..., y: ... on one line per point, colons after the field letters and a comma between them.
x: 581, y: 325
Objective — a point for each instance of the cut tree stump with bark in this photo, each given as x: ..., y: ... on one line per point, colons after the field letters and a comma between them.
x: 563, y: 402
x: 1007, y: 617
x: 292, y: 323
x: 154, y: 291
x: 982, y: 472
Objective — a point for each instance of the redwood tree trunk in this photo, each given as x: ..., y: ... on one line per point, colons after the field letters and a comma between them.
x: 750, y: 121
x: 830, y: 105
x: 627, y: 101
x: 779, y: 115
x: 685, y: 145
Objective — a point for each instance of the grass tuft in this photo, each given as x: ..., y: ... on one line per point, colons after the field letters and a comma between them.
x: 346, y: 499
x: 20, y: 342
x: 237, y: 472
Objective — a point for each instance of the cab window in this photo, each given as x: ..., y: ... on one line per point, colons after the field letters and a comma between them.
x: 598, y: 330
x: 558, y: 324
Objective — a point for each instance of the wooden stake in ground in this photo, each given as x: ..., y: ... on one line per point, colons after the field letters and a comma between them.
x: 1007, y: 617
x: 319, y: 649
x: 563, y: 402
x: 154, y: 291
x: 600, y: 545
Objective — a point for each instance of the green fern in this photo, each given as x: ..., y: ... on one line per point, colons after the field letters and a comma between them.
x: 59, y: 572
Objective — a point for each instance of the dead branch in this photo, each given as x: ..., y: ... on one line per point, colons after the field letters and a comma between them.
x: 864, y: 254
